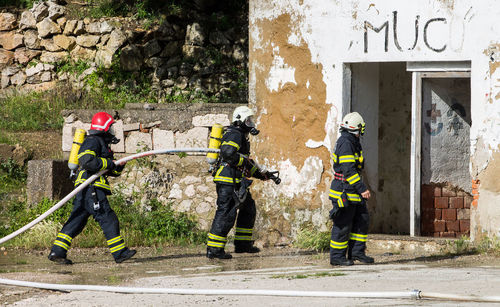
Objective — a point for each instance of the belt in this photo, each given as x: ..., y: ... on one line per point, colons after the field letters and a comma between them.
x: 339, y: 176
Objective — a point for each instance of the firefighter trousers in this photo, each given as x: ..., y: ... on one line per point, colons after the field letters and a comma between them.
x: 225, y: 216
x: 349, y: 231
x: 83, y: 207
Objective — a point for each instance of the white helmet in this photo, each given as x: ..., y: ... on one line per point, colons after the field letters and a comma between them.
x: 353, y: 122
x: 242, y: 113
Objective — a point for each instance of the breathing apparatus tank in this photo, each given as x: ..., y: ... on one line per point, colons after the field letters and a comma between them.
x: 73, y: 155
x: 214, y: 143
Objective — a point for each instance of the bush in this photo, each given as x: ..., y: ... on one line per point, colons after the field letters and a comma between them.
x: 310, y: 238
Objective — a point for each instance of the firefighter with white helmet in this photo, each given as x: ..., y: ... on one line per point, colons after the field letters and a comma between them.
x: 233, y: 197
x: 94, y: 155
x: 348, y: 194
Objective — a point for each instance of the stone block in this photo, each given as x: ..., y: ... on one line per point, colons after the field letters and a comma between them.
x: 194, y: 138
x: 210, y: 119
x: 463, y: 214
x: 47, y: 179
x: 163, y: 139
x: 118, y: 128
x: 131, y: 127
x: 8, y: 21
x: 68, y: 133
x: 138, y: 142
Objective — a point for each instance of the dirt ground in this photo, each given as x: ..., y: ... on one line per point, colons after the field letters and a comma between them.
x: 272, y: 269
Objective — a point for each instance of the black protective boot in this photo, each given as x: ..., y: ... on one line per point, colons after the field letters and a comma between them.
x: 246, y: 247
x: 217, y: 252
x: 59, y: 260
x: 341, y: 261
x: 125, y: 255
x: 363, y: 258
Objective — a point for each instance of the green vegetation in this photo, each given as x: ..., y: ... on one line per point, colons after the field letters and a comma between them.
x: 17, y: 3
x: 463, y: 246
x: 310, y: 238
x: 159, y: 226
x: 12, y: 176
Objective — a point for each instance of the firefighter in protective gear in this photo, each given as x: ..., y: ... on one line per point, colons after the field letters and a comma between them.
x: 94, y: 155
x: 233, y: 197
x: 348, y: 194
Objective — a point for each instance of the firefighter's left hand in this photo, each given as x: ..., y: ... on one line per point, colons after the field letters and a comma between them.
x: 366, y: 194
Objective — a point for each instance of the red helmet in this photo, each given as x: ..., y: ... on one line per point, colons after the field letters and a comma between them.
x: 101, y: 122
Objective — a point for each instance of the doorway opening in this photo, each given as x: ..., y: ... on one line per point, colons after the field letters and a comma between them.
x: 416, y: 141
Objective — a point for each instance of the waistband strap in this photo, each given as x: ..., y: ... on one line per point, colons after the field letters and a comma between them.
x: 338, y: 176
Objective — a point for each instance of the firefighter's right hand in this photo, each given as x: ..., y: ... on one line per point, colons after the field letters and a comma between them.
x: 366, y: 194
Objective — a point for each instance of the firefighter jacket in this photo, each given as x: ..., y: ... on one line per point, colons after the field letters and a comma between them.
x: 347, y: 164
x: 95, y: 155
x: 232, y: 167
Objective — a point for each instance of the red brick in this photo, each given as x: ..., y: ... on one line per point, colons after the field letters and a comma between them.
x: 441, y: 202
x: 453, y: 226
x: 448, y: 192
x: 475, y: 196
x: 474, y: 203
x: 449, y: 214
x: 437, y: 214
x: 464, y: 225
x: 439, y: 226
x: 463, y: 214
x: 475, y: 186
x: 456, y: 202
x: 437, y: 191
x: 448, y: 234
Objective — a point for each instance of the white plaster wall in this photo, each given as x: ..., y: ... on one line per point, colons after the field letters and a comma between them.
x: 334, y: 32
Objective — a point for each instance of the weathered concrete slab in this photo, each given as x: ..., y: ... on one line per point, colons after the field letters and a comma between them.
x: 163, y: 139
x: 47, y: 179
x: 196, y: 137
x: 138, y: 142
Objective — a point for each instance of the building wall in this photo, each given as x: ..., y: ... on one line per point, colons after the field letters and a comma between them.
x: 298, y: 50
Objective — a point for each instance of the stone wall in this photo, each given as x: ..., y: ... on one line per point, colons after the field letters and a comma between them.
x: 179, y: 55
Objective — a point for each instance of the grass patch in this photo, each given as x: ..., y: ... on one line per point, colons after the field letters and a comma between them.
x: 304, y: 276
x: 310, y: 238
x: 464, y: 246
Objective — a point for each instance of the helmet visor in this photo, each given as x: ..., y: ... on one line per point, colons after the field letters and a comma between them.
x: 249, y: 122
x: 111, y: 130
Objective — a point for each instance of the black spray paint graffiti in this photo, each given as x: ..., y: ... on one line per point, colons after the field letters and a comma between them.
x: 385, y: 27
x: 455, y: 123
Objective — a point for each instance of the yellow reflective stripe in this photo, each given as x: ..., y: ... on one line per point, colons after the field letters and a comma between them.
x: 227, y: 179
x: 65, y: 237
x: 216, y: 237
x: 334, y: 157
x: 252, y: 171
x: 61, y: 244
x: 346, y: 159
x: 117, y: 248
x: 358, y: 237
x: 216, y: 244
x: 86, y: 152
x: 104, y: 163
x: 231, y: 143
x: 340, y: 202
x: 114, y: 240
x: 335, y: 194
x: 350, y: 196
x: 353, y: 179
x: 245, y: 230
x: 240, y: 162
x: 243, y: 238
x: 361, y: 158
x: 338, y: 245
x: 101, y: 183
x: 353, y: 197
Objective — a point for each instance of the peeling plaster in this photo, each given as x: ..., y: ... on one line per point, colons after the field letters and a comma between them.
x: 280, y: 73
x: 296, y: 182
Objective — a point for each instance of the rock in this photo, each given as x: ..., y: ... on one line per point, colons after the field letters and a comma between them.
x: 31, y: 39
x: 79, y: 28
x: 6, y: 58
x: 24, y: 56
x: 167, y: 83
x: 49, y: 45
x: 61, y: 22
x: 18, y: 79
x: 137, y: 142
x: 70, y: 26
x: 185, y: 69
x: 81, y: 53
x: 193, y: 52
x: 181, y: 82
x: 10, y: 40
x: 65, y: 42
x: 173, y: 72
x: 10, y: 71
x: 4, y: 82
x: 53, y: 57
x: 33, y: 79
x: 104, y: 56
x: 46, y: 76
x: 87, y: 40
x: 33, y: 70
x: 196, y: 138
x: 116, y: 40
x: 8, y: 21
x: 224, y: 79
x: 154, y: 62
x: 209, y: 120
x: 131, y: 58
x: 171, y: 49
x: 55, y: 10
x: 217, y: 38
x: 40, y: 87
x: 99, y: 27
x: 47, y: 27
x: 151, y: 48
x: 27, y: 21
x: 163, y: 139
x: 238, y: 53
x: 39, y: 11
x: 194, y: 35
x: 173, y: 61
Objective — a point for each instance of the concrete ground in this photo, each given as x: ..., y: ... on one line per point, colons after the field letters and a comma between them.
x: 399, y: 267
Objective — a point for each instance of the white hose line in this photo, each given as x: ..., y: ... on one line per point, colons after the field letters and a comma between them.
x: 393, y: 294
x: 455, y: 297
x: 94, y: 177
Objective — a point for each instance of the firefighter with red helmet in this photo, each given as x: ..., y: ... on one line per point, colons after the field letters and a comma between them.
x: 348, y: 194
x: 94, y: 155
